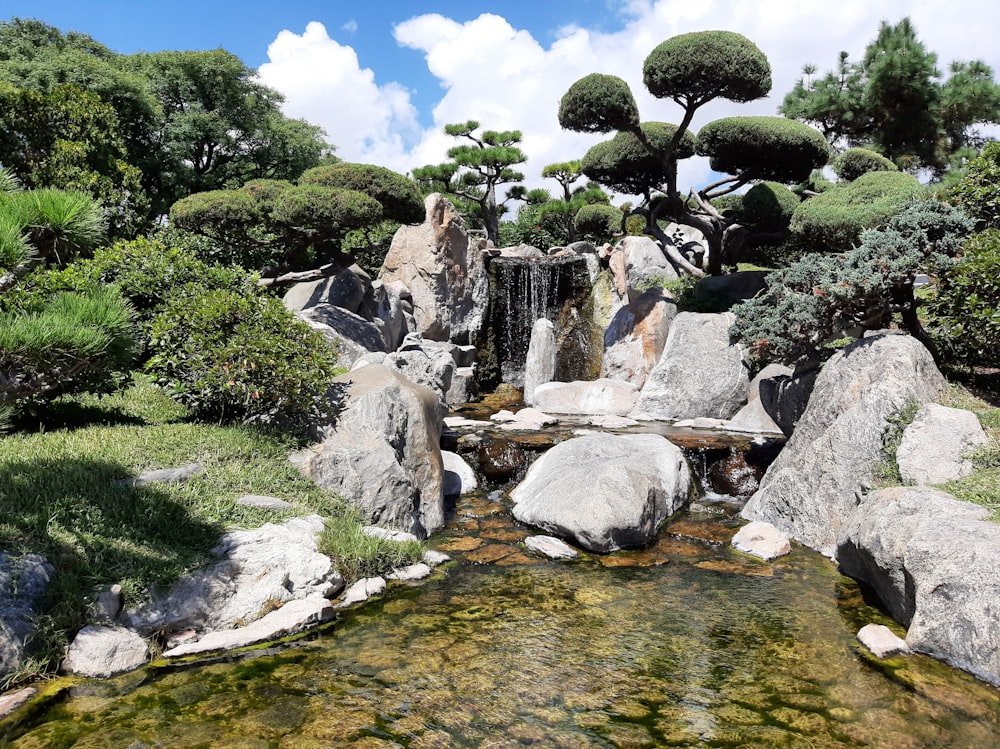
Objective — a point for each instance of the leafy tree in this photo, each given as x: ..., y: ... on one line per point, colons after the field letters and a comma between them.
x: 823, y: 297
x: 691, y: 70
x: 978, y: 191
x: 475, y: 171
x: 566, y: 209
x: 69, y: 139
x: 297, y: 227
x: 854, y: 162
x: 894, y: 100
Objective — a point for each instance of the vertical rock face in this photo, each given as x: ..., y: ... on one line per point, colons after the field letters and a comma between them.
x: 698, y: 374
x: 816, y: 481
x: 446, y: 277
x: 383, y: 454
x: 540, y: 365
x: 634, y: 340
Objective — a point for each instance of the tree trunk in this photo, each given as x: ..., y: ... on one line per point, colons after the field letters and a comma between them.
x: 906, y: 303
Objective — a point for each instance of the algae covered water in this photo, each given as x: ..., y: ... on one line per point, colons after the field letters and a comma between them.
x: 683, y: 644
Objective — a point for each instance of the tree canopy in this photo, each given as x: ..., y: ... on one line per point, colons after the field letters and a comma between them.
x: 641, y: 159
x: 896, y: 101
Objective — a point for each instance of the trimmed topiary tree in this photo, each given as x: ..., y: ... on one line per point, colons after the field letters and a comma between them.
x: 854, y: 162
x: 692, y: 70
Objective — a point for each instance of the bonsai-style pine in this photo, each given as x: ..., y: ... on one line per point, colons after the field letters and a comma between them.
x: 641, y: 159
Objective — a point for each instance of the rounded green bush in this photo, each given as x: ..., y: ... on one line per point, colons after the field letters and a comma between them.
x: 215, y: 212
x: 704, y: 65
x: 854, y: 162
x: 230, y: 357
x: 598, y: 103
x: 833, y: 221
x: 327, y: 211
x: 763, y: 147
x: 265, y: 192
x: 599, y: 221
x: 398, y: 195
x: 625, y: 164
x: 768, y: 206
x: 966, y: 301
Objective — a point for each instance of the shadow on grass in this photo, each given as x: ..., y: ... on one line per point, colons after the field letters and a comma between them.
x: 96, y: 532
x: 72, y: 415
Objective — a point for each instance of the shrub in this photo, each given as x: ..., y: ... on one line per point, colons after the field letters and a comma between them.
x: 764, y: 147
x: 598, y: 103
x: 598, y: 221
x: 966, y: 304
x: 230, y: 357
x: 768, y: 206
x: 854, y: 162
x: 59, y: 224
x: 217, y: 213
x: 833, y: 221
x: 398, y: 195
x: 978, y: 192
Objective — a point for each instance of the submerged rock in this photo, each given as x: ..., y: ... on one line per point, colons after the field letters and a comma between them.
x: 761, y: 540
x: 606, y: 492
x: 881, y: 641
x: 551, y: 547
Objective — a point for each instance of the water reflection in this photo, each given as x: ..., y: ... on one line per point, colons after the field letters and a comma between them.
x: 684, y: 644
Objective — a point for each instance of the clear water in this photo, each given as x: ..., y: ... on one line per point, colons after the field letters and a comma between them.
x: 683, y: 644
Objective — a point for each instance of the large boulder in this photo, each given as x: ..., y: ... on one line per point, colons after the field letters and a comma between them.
x: 604, y: 492
x: 586, y: 397
x: 383, y: 453
x: 829, y: 461
x: 935, y: 446
x: 425, y: 365
x: 351, y: 334
x: 350, y: 289
x: 445, y: 275
x: 540, y: 363
x: 23, y: 581
x: 636, y: 336
x: 934, y: 562
x: 699, y: 373
x: 646, y: 264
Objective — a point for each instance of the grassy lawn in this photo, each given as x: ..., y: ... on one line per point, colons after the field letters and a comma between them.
x: 60, y: 497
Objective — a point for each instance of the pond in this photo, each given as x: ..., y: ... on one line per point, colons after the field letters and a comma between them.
x: 684, y: 644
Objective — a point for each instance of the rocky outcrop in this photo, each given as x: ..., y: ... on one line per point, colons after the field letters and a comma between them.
x: 383, y: 453
x: 583, y: 397
x: 445, y: 276
x: 934, y: 562
x: 935, y: 446
x: 646, y: 264
x: 350, y: 289
x: 634, y: 340
x: 604, y: 492
x: 699, y: 372
x: 540, y: 363
x: 817, y: 480
x: 23, y: 581
x: 754, y: 417
x: 352, y: 335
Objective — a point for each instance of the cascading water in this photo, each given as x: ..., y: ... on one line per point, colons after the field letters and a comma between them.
x: 522, y: 290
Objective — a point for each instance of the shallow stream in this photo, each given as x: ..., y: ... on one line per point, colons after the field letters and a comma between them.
x: 683, y: 644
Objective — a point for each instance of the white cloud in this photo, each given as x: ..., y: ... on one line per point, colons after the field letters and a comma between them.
x: 324, y: 83
x: 506, y: 79
x: 350, y: 27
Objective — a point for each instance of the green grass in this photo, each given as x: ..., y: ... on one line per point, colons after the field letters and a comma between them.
x: 59, y: 498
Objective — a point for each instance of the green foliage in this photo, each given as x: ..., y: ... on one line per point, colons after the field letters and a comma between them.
x: 763, y: 148
x: 598, y: 103
x: 704, y: 65
x: 768, y: 206
x: 965, y: 306
x: 893, y: 100
x: 624, y: 163
x: 356, y: 555
x: 216, y: 213
x: 978, y: 192
x: 598, y: 222
x: 230, y: 357
x: 68, y: 342
x: 823, y: 296
x: 533, y: 227
x: 833, y: 221
x: 398, y: 195
x: 854, y: 162
x: 887, y: 471
x: 321, y: 212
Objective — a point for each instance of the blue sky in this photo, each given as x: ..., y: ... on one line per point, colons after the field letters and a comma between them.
x: 384, y: 77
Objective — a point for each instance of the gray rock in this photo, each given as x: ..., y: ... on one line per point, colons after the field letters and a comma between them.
x: 881, y: 641
x: 393, y: 312
x: 934, y: 562
x: 459, y: 478
x: 463, y: 386
x: 107, y: 605
x: 604, y: 396
x: 100, y: 652
x: 634, y: 340
x: 11, y: 701
x: 383, y: 453
x: 814, y: 484
x: 434, y: 558
x: 540, y: 363
x: 263, y: 502
x: 362, y: 590
x: 784, y: 397
x: 165, y: 475
x: 23, y: 581
x: 293, y: 617
x: 551, y: 547
x: 260, y: 567
x: 770, y: 372
x: 431, y: 367
x: 606, y: 492
x: 525, y: 420
x: 935, y: 445
x: 732, y: 288
x: 645, y: 263
x: 350, y: 289
x: 444, y: 273
x: 387, y: 534
x: 699, y: 372
x: 350, y: 333
x: 761, y: 540
x: 410, y: 573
